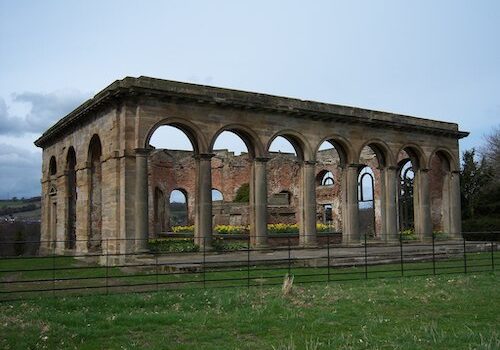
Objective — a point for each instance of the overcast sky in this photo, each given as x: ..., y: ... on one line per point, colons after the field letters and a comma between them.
x: 433, y: 59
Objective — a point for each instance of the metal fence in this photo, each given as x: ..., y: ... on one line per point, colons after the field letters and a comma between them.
x: 37, y: 269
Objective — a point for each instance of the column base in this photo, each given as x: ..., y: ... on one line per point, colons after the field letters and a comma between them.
x: 206, y: 249
x: 260, y: 246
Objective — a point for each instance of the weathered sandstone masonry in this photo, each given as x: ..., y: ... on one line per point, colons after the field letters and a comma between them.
x: 95, y: 181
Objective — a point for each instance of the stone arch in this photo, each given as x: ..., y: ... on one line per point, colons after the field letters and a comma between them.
x: 52, y: 166
x: 444, y: 154
x: 95, y: 148
x: 416, y: 154
x: 325, y: 178
x: 408, y: 189
x: 249, y: 137
x: 341, y: 145
x: 193, y: 133
x: 70, y: 237
x: 95, y: 193
x: 381, y: 150
x: 371, y: 213
x: 297, y: 140
x: 184, y: 218
x: 444, y: 188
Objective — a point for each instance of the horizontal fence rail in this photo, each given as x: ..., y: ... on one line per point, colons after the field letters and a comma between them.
x: 31, y: 269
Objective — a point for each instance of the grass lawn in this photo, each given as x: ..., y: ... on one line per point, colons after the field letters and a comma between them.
x: 432, y: 312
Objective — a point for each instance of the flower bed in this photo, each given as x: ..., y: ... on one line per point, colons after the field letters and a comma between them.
x: 271, y: 228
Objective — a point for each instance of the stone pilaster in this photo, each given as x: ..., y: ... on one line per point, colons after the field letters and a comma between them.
x: 83, y: 209
x: 141, y: 200
x: 258, y: 203
x: 455, y: 208
x: 62, y: 213
x: 425, y: 223
x: 391, y: 216
x: 203, y: 234
x: 351, y: 226
x: 308, y: 207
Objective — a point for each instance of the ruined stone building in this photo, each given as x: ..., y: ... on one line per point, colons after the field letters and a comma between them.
x: 103, y: 182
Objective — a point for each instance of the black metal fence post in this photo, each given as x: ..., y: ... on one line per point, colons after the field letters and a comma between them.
x: 401, y: 253
x: 492, y: 258
x: 248, y: 262
x: 465, y: 256
x: 156, y: 270
x: 54, y: 269
x: 328, y: 254
x: 204, y: 263
x: 366, y: 259
x: 289, y: 256
x: 433, y: 255
x: 107, y: 264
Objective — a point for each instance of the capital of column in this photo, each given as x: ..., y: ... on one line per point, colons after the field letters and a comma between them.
x: 355, y: 165
x: 389, y: 167
x: 455, y: 172
x: 261, y: 159
x: 142, y: 152
x: 309, y: 163
x: 424, y: 170
x: 203, y: 156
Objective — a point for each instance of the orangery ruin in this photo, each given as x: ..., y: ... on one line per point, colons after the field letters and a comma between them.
x: 363, y: 173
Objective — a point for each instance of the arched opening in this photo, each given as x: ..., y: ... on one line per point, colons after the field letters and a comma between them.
x: 217, y: 195
x: 440, y: 193
x: 52, y: 166
x: 71, y: 199
x: 172, y: 170
x: 331, y: 158
x: 325, y: 178
x: 52, y: 202
x: 366, y: 201
x: 178, y: 209
x: 371, y: 201
x: 284, y: 183
x: 406, y: 196
x: 231, y: 164
x: 95, y: 186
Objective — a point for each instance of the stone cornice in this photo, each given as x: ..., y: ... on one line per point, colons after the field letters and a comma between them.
x: 131, y: 88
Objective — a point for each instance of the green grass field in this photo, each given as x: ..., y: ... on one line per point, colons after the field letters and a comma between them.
x: 440, y: 312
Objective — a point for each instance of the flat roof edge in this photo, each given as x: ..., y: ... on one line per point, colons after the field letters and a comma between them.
x: 239, y: 98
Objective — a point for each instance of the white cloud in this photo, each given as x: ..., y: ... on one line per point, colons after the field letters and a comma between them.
x: 44, y: 110
x: 20, y: 172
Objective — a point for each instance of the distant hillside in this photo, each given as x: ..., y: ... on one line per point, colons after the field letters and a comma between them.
x: 20, y: 209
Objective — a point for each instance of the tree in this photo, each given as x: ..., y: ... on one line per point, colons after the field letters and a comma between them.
x: 243, y: 194
x: 474, y: 177
x: 491, y: 154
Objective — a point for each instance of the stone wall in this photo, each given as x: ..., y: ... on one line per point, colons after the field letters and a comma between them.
x: 171, y: 170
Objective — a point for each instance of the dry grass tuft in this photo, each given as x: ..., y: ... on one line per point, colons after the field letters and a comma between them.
x: 287, y: 287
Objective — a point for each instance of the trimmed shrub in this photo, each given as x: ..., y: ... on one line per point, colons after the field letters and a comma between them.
x: 172, y: 245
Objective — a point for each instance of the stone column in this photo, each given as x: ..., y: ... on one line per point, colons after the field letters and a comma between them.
x: 62, y: 213
x: 204, y: 206
x: 425, y: 225
x: 455, y: 206
x: 44, y: 225
x: 308, y: 234
x: 258, y: 194
x: 141, y: 200
x: 382, y: 205
x: 83, y: 209
x: 351, y: 227
x: 391, y: 217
